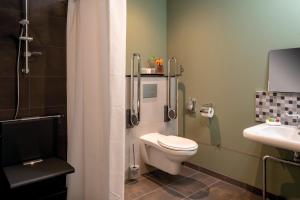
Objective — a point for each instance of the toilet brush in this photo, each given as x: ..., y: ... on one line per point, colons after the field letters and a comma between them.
x: 133, y: 154
x: 134, y: 170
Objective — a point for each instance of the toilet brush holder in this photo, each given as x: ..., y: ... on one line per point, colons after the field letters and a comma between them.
x: 134, y: 172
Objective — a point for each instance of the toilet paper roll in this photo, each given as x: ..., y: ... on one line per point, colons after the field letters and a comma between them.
x: 207, y: 112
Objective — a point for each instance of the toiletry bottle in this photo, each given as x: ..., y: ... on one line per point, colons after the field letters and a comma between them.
x: 159, y: 66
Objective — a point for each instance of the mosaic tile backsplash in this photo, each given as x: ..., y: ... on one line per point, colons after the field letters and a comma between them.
x: 276, y: 104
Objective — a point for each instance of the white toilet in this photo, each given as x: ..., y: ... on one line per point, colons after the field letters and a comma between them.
x: 166, y: 152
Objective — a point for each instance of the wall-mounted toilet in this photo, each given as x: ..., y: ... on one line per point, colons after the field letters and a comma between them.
x: 166, y: 152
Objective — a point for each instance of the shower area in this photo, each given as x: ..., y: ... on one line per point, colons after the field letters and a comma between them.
x: 33, y: 60
x: 35, y: 73
x: 33, y: 122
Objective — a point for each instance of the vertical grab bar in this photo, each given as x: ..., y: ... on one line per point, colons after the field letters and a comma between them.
x: 172, y: 113
x: 135, y: 114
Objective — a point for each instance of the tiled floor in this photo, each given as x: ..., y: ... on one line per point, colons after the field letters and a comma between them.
x: 189, y: 185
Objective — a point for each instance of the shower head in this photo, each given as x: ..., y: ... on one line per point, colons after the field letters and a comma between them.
x: 24, y: 22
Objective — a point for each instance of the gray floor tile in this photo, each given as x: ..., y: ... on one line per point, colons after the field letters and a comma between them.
x: 187, y: 171
x: 163, y: 177
x: 250, y: 196
x: 139, y: 188
x: 219, y: 191
x: 162, y: 193
x: 205, y: 179
x: 187, y: 186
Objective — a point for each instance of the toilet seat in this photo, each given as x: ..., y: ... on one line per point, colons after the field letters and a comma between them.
x: 151, y: 139
x: 166, y: 152
x: 176, y: 143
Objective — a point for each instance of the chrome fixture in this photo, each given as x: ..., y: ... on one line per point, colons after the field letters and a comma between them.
x: 34, y: 53
x: 33, y: 162
x: 24, y: 23
x: 207, y: 110
x: 265, y: 158
x: 134, y: 118
x: 171, y: 112
x: 295, y: 162
x: 180, y: 70
x: 33, y: 118
x: 25, y: 38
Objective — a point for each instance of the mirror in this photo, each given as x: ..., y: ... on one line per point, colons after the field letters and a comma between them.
x: 284, y: 70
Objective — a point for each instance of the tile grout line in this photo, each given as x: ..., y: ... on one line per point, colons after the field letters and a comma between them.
x: 162, y: 185
x: 176, y: 191
x: 159, y: 182
x: 168, y: 185
x: 208, y: 186
x: 187, y: 196
x: 197, y: 172
x: 147, y: 193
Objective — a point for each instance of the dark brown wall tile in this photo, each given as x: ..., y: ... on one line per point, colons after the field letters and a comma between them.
x: 8, y: 93
x: 9, y: 114
x: 43, y: 91
x: 9, y: 26
x: 8, y: 55
x: 12, y: 4
x: 62, y: 132
x: 47, y: 30
x: 24, y: 92
x: 51, y: 64
x: 55, y: 8
x: 45, y: 111
x: 47, y: 92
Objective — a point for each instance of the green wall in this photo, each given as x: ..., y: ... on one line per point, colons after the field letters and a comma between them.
x: 223, y: 46
x: 146, y: 29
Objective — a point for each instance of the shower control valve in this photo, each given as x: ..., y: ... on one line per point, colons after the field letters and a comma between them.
x: 34, y: 53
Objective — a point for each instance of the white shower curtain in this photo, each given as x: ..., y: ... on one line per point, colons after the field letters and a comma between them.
x: 96, y: 35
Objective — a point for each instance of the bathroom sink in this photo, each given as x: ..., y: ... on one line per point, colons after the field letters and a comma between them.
x: 285, y: 137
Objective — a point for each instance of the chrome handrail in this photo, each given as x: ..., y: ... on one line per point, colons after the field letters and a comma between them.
x: 172, y: 113
x: 32, y: 118
x: 135, y: 114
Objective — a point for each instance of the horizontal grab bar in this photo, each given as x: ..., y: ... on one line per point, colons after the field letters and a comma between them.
x: 32, y: 118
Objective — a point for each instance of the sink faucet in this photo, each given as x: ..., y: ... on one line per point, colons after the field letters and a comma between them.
x: 294, y: 115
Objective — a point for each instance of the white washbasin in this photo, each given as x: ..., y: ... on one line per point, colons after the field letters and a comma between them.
x: 285, y: 137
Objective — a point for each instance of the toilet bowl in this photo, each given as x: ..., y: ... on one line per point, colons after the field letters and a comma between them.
x: 166, y: 152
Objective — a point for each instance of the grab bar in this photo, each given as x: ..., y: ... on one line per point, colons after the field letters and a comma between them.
x: 32, y: 118
x: 172, y: 113
x: 135, y: 114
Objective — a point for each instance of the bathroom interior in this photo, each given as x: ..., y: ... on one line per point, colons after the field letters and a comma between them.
x: 149, y: 99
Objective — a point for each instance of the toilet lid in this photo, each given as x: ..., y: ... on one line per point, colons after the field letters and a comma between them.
x: 177, y: 143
